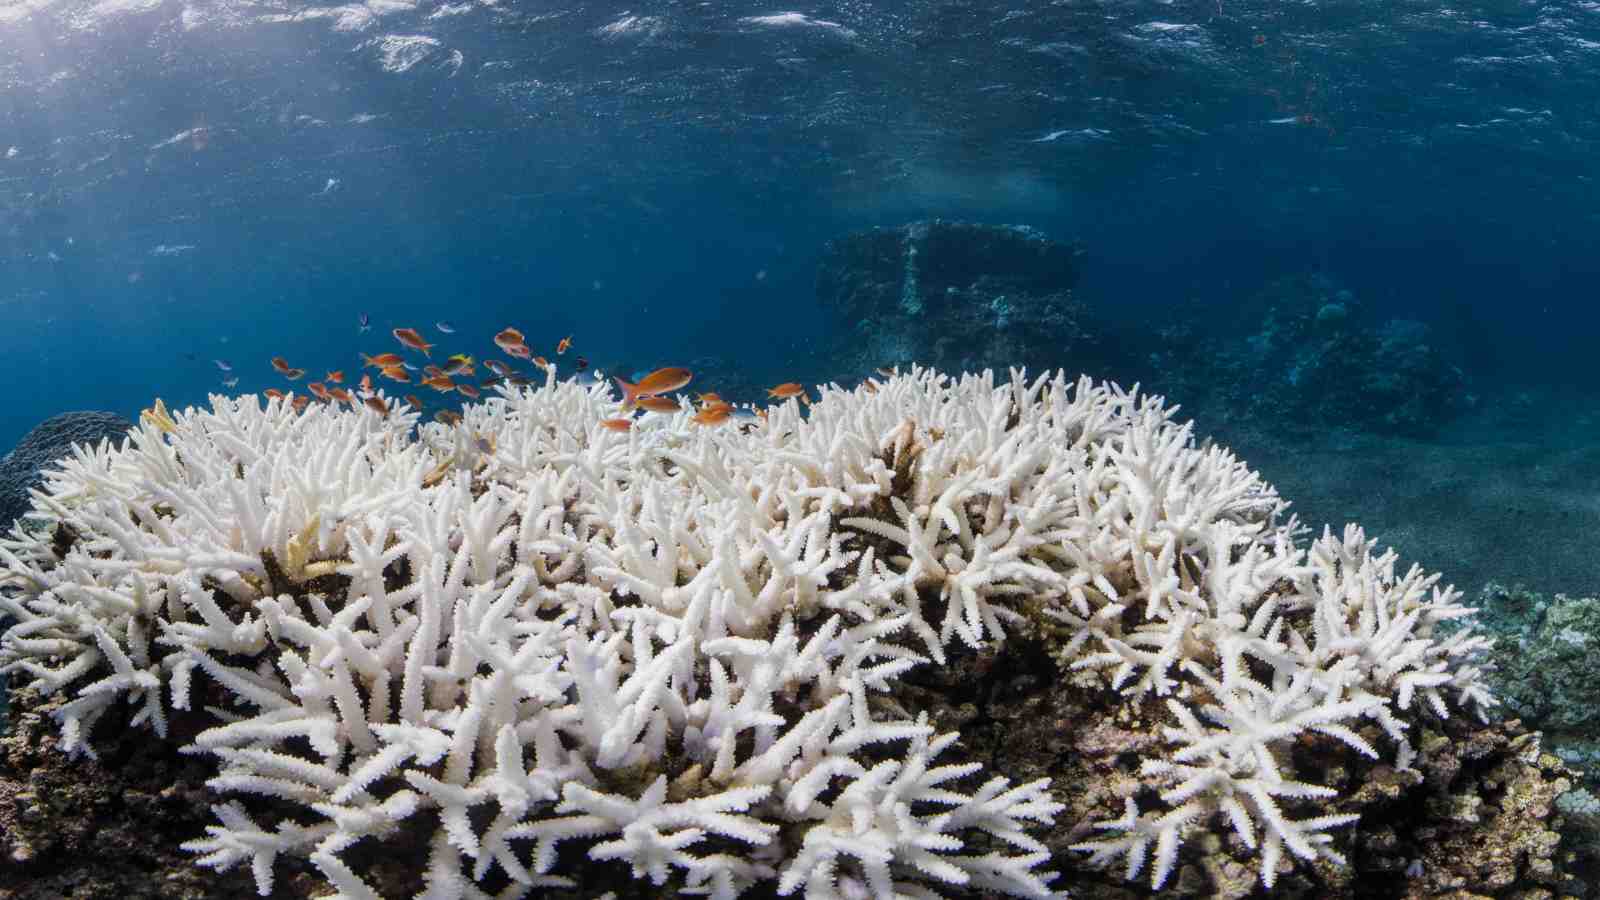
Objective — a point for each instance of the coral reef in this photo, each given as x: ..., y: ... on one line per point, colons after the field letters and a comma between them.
x: 50, y: 440
x: 1545, y: 668
x: 954, y: 296
x: 530, y: 653
x: 1303, y: 352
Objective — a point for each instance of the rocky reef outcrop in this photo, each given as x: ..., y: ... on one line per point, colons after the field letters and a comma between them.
x: 957, y: 296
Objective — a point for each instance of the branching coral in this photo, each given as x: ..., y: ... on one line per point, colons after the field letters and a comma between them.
x: 677, y: 648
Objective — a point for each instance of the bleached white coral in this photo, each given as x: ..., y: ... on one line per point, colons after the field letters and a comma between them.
x: 677, y: 647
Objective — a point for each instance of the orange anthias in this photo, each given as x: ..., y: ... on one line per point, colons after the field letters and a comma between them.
x: 279, y: 364
x: 412, y: 339
x: 661, y: 381
x: 335, y: 377
x: 658, y: 404
x: 786, y: 390
x: 508, y: 337
x: 382, y: 360
x: 714, y: 416
x: 564, y: 345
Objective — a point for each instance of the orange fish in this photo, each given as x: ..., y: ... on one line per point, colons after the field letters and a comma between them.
x: 564, y: 345
x: 440, y: 382
x: 377, y: 405
x: 786, y: 390
x: 658, y: 404
x: 294, y: 374
x: 366, y: 382
x: 342, y: 395
x: 447, y: 417
x: 541, y: 362
x: 412, y: 339
x: 382, y: 360
x: 279, y: 364
x: 709, y: 397
x: 616, y: 424
x: 412, y: 399
x: 498, y: 367
x: 468, y: 391
x: 335, y: 377
x: 397, y: 373
x: 318, y: 388
x: 274, y: 394
x: 301, y: 402
x: 432, y: 371
x: 661, y: 381
x: 712, y: 416
x: 509, y: 337
x: 887, y: 373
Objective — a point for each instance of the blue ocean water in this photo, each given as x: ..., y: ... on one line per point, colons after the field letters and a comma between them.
x: 183, y: 181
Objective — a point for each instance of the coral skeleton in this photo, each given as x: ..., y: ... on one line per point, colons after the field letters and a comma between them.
x: 542, y: 649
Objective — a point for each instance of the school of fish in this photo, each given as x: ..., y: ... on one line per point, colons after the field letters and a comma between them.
x: 653, y: 393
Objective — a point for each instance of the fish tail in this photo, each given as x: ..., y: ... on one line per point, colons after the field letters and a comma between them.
x: 630, y: 394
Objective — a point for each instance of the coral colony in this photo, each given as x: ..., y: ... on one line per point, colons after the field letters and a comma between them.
x: 538, y: 645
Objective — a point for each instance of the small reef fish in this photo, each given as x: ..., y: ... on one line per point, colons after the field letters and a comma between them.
x: 447, y: 417
x: 319, y: 389
x: 616, y: 424
x: 410, y: 338
x: 231, y: 382
x: 300, y: 403
x: 366, y: 383
x: 280, y: 364
x: 342, y: 395
x: 294, y: 374
x: 661, y: 381
x: 468, y: 391
x: 396, y: 373
x: 887, y: 373
x: 786, y: 390
x: 508, y: 337
x: 377, y: 405
x: 440, y: 382
x: 382, y: 360
x: 335, y: 377
x: 709, y: 398
x: 445, y: 327
x: 364, y: 324
x: 714, y: 416
x: 273, y: 394
x: 224, y: 365
x: 659, y: 404
x: 582, y: 364
x: 541, y: 362
x: 564, y: 345
x: 414, y: 400
x: 497, y: 367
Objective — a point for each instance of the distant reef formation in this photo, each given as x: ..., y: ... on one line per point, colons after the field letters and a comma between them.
x: 1302, y: 351
x: 956, y: 296
x: 49, y: 441
x: 1306, y: 352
